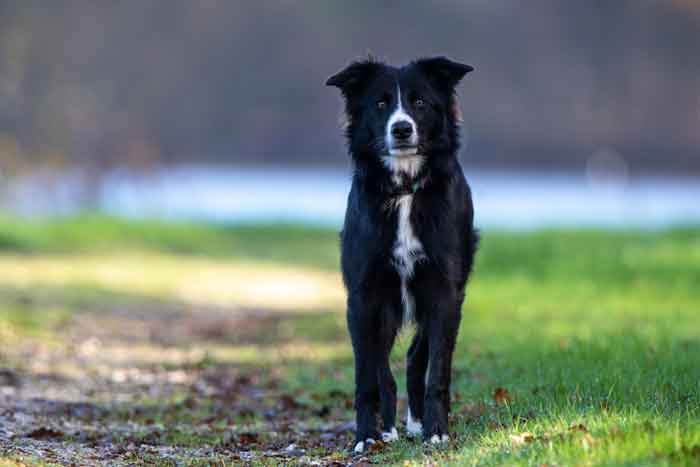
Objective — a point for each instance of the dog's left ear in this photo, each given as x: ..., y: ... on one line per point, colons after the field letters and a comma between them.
x: 354, y: 77
x: 443, y: 70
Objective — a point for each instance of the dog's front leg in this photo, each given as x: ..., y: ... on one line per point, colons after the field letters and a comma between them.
x: 387, y: 383
x: 364, y: 332
x: 442, y: 327
x: 416, y: 367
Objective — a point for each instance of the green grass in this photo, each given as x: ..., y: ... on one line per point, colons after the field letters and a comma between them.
x: 595, y: 336
x: 89, y: 234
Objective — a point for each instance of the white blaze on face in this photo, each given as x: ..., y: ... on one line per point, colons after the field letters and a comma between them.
x: 400, y: 115
x: 401, y: 161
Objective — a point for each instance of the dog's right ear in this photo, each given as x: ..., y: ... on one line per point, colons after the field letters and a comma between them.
x: 353, y: 78
x: 444, y: 71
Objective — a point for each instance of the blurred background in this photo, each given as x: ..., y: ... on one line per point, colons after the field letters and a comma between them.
x: 579, y: 113
x: 173, y: 177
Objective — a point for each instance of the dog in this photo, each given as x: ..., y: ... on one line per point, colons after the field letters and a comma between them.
x: 408, y: 242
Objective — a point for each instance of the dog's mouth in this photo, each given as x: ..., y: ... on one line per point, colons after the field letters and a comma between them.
x: 403, y: 150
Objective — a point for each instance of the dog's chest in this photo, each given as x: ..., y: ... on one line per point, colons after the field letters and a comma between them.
x: 407, y: 248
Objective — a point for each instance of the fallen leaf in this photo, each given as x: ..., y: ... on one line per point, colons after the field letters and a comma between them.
x: 502, y: 396
x: 8, y: 378
x: 336, y: 394
x: 288, y: 402
x: 45, y: 433
x: 248, y: 438
x: 578, y: 427
x: 473, y: 410
x: 588, y: 441
x: 495, y: 425
x: 376, y: 446
x: 522, y: 438
x: 190, y: 403
x: 243, y: 380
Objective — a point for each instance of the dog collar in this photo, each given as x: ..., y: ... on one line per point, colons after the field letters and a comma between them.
x: 408, y: 187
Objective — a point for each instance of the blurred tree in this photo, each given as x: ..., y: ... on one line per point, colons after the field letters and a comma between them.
x: 132, y: 84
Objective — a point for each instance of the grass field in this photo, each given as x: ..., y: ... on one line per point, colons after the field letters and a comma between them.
x: 145, y: 343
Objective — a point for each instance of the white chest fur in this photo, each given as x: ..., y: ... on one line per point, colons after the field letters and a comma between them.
x: 408, y: 250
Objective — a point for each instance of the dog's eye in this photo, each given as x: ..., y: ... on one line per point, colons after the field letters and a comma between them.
x: 419, y: 103
x: 381, y: 105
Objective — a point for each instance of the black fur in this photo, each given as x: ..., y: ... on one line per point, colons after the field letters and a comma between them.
x: 442, y: 219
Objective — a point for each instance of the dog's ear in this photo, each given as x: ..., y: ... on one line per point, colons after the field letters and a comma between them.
x: 353, y: 78
x: 443, y: 71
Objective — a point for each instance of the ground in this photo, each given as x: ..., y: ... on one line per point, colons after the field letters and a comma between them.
x: 144, y: 343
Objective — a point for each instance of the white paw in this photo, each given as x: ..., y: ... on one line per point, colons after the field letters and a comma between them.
x: 413, y: 427
x: 435, y: 439
x: 360, y: 447
x: 391, y: 435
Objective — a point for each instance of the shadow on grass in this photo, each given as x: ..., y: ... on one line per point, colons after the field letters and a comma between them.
x: 84, y: 311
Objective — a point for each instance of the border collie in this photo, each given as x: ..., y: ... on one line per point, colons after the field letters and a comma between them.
x: 408, y: 241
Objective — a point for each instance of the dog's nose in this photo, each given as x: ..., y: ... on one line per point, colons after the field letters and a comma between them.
x: 401, y: 130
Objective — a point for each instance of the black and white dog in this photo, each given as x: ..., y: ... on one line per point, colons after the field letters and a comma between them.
x: 408, y: 242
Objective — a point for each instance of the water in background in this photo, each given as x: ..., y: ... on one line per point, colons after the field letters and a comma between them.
x: 502, y: 199
x: 511, y: 200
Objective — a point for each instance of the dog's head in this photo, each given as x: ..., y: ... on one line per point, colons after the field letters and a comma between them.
x: 401, y: 112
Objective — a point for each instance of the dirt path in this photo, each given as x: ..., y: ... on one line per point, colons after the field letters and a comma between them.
x: 136, y: 386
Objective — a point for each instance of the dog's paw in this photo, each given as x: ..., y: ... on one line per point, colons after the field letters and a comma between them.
x: 437, y: 439
x: 362, y: 445
x: 391, y: 435
x: 413, y: 427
